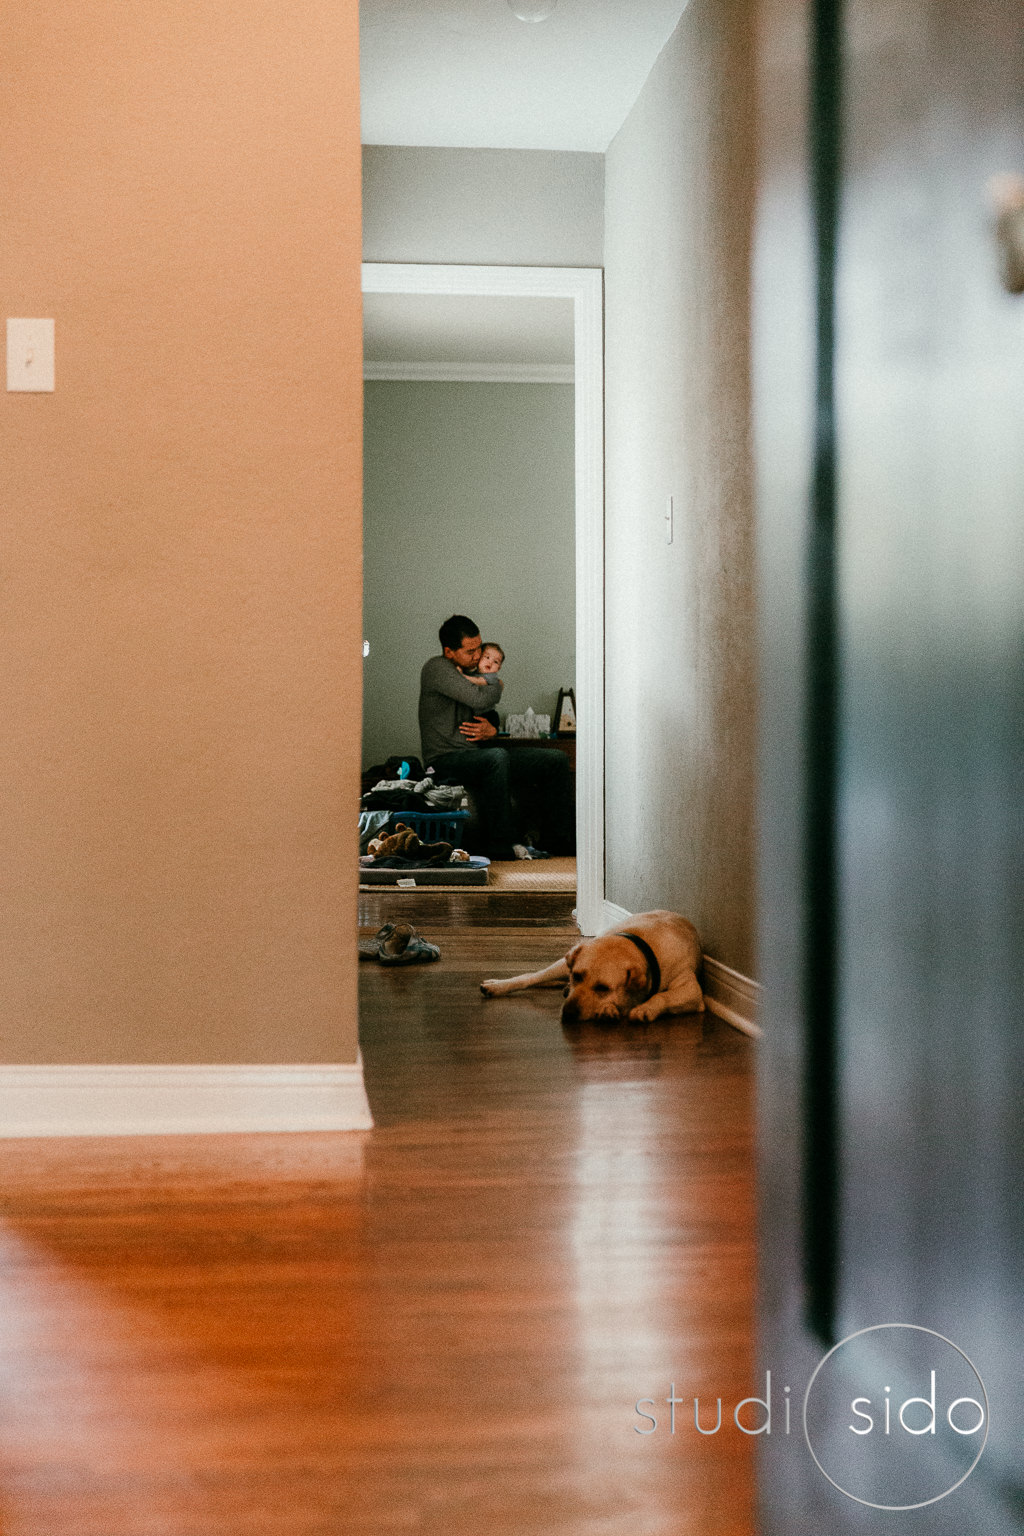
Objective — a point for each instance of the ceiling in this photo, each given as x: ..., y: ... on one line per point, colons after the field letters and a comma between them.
x: 445, y: 330
x: 467, y: 74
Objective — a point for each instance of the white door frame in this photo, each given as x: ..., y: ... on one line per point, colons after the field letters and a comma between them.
x: 583, y: 285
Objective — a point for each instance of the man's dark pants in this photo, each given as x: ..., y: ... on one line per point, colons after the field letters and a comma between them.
x: 538, y: 778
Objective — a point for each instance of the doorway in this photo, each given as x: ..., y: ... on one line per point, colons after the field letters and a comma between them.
x: 582, y: 287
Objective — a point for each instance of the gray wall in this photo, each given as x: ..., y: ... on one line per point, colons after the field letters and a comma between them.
x: 469, y: 492
x: 680, y: 618
x: 517, y: 207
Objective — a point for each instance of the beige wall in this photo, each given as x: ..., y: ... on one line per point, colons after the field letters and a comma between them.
x: 469, y: 496
x: 680, y: 618
x: 181, y: 538
x: 519, y: 207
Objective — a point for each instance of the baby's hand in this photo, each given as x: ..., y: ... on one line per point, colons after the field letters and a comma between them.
x: 481, y: 682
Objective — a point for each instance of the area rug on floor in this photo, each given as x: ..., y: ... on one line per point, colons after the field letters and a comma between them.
x: 532, y: 875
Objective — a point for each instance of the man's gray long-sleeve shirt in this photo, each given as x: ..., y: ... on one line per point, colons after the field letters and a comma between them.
x: 447, y: 698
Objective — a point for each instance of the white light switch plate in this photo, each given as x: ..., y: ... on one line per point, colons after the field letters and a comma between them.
x: 30, y: 355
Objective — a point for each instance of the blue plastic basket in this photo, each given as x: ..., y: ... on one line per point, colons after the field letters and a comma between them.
x: 433, y: 826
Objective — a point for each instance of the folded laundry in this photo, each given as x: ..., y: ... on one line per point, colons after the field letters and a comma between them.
x: 401, y: 794
x: 448, y: 797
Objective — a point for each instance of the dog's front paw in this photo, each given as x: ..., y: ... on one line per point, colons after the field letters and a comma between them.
x: 644, y: 1013
x: 491, y: 988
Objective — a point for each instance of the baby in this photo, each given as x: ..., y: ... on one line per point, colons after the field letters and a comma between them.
x: 492, y: 658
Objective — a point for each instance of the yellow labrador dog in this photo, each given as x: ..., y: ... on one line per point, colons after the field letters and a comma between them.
x: 639, y: 972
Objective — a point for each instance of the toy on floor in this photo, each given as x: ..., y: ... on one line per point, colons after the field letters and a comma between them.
x: 404, y: 843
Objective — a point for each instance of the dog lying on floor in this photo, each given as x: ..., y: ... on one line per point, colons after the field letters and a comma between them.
x: 640, y: 972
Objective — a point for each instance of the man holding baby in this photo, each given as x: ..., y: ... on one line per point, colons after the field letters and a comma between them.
x: 456, y: 695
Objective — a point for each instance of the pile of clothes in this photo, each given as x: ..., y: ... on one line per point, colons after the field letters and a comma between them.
x: 386, y: 799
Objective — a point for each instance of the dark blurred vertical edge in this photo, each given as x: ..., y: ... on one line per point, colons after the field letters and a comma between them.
x: 821, y: 722
x: 790, y: 431
x: 891, y: 1070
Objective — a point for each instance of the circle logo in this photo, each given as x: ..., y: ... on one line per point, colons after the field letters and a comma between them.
x: 896, y: 1416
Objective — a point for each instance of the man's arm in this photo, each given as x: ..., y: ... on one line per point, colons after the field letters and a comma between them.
x: 446, y: 678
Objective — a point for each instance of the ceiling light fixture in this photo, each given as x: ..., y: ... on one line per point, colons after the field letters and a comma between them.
x: 532, y: 10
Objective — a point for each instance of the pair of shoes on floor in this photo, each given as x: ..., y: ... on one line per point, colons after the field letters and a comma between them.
x: 527, y: 851
x: 398, y: 944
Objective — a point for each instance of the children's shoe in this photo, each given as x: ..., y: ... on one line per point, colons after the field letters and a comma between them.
x: 416, y: 951
x: 390, y: 941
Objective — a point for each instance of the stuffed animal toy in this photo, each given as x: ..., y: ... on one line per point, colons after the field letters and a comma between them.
x: 404, y: 843
x: 394, y: 843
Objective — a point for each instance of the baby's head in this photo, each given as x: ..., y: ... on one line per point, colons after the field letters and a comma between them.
x: 491, y: 657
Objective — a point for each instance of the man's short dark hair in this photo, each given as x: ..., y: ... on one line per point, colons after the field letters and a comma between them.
x: 456, y: 629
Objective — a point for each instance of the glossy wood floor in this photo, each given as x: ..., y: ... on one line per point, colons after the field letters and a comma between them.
x: 439, y: 1326
x: 471, y: 908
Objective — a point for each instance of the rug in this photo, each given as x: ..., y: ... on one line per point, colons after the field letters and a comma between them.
x: 532, y: 875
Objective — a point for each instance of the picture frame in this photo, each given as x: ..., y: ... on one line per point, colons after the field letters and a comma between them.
x: 564, y: 717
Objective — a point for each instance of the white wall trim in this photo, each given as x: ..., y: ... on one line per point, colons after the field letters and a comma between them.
x: 612, y: 916
x: 471, y: 373
x: 728, y: 994
x: 732, y: 996
x: 170, y: 1100
x: 585, y: 286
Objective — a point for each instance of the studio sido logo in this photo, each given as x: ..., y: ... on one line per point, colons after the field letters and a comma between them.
x: 896, y: 1416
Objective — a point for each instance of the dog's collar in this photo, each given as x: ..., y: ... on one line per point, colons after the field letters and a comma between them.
x: 653, y: 968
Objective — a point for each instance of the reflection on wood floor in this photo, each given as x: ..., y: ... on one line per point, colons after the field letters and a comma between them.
x: 467, y: 909
x: 439, y: 1326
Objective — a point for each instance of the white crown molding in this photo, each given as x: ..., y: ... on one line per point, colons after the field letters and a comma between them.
x: 129, y: 1100
x: 471, y: 373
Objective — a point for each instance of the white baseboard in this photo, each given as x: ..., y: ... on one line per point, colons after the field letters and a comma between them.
x: 732, y: 996
x: 172, y: 1100
x: 613, y: 916
x: 728, y: 994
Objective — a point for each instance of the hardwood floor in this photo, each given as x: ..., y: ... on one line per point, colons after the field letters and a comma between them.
x: 467, y: 909
x: 439, y: 1326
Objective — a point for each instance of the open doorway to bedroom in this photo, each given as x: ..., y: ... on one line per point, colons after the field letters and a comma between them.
x: 483, y: 496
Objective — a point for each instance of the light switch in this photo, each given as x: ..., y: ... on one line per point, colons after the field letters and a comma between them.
x: 30, y: 355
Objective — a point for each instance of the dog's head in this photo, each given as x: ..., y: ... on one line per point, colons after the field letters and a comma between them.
x: 607, y: 977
